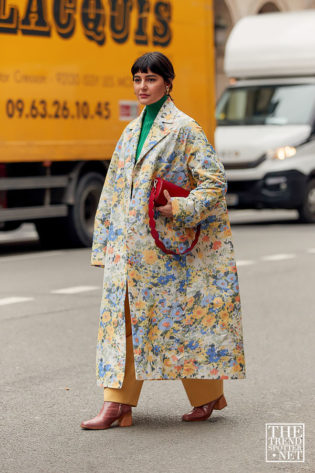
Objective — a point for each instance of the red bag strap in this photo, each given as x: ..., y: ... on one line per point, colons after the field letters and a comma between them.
x: 155, y: 234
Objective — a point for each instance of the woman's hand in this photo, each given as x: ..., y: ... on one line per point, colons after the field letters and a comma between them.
x: 166, y: 210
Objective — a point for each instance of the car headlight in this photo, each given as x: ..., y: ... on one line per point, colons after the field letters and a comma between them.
x: 282, y: 153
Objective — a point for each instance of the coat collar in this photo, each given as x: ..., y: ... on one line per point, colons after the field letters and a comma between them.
x: 162, y: 126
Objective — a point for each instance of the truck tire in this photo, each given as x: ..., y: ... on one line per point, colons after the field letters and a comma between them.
x: 307, y: 209
x: 80, y: 222
x: 76, y: 230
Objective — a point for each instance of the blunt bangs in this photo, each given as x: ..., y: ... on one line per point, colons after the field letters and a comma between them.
x: 156, y: 62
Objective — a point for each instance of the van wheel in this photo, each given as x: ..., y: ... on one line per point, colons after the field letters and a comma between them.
x: 76, y: 230
x: 307, y: 209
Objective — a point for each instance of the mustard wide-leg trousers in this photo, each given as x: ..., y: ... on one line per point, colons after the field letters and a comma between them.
x: 199, y: 391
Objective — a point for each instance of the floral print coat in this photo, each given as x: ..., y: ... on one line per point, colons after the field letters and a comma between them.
x: 185, y: 309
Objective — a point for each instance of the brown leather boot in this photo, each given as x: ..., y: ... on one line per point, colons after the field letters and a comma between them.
x: 204, y: 412
x: 110, y: 412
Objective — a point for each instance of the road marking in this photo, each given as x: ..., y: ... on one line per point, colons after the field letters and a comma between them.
x: 311, y: 250
x: 6, y: 259
x: 278, y: 257
x: 75, y: 289
x: 244, y: 262
x: 14, y: 300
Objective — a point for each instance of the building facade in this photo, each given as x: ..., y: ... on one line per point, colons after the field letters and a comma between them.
x: 229, y: 12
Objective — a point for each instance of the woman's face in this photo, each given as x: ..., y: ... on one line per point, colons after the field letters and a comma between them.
x: 149, y: 87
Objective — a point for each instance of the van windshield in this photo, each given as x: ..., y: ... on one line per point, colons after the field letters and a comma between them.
x: 267, y: 105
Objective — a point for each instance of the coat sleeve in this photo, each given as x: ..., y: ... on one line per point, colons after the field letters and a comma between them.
x: 207, y: 175
x: 102, y: 216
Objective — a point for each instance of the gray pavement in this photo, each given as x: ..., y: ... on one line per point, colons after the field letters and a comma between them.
x: 49, y: 305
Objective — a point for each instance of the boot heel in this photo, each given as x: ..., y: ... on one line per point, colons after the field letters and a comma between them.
x: 221, y: 403
x: 125, y: 420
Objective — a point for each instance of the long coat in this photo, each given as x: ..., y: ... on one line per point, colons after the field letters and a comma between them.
x: 185, y: 309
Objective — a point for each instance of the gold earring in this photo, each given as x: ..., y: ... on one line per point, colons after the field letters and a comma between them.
x: 167, y: 90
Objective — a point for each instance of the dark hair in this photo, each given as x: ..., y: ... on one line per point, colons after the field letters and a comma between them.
x: 157, y: 63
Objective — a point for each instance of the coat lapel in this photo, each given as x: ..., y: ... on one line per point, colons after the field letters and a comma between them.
x: 162, y: 126
x: 134, y: 129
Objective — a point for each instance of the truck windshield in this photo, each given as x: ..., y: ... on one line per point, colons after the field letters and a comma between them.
x: 266, y: 105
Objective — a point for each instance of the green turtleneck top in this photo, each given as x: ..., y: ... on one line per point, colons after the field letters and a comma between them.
x: 149, y: 116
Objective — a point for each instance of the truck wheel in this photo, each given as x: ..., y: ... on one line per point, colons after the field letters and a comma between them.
x: 307, y: 209
x: 80, y: 222
x: 77, y: 228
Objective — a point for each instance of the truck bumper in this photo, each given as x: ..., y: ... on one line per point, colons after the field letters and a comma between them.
x: 281, y: 190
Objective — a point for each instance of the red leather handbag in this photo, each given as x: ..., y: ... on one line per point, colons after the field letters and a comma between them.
x: 157, y: 199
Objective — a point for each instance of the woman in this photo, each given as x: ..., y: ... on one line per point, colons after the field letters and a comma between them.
x: 184, y: 320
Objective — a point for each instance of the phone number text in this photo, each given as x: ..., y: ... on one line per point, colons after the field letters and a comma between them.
x: 57, y: 109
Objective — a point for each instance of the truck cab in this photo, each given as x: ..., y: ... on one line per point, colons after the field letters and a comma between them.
x: 265, y: 132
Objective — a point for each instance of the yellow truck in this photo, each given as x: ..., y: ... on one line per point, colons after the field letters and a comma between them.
x: 66, y: 95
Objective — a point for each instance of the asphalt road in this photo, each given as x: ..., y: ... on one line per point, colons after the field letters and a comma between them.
x: 49, y: 305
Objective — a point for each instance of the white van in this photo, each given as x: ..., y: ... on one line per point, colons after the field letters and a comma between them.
x: 265, y: 132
